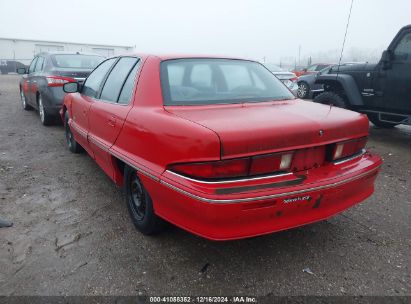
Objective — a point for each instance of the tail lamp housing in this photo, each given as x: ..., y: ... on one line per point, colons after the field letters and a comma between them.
x: 348, y: 148
x: 58, y: 81
x: 236, y: 168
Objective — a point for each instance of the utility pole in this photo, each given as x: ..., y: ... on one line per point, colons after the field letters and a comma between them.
x: 299, y: 54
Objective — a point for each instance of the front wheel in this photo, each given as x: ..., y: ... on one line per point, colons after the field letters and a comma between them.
x: 139, y: 204
x: 330, y: 98
x: 375, y: 119
x: 71, y: 142
x: 303, y: 90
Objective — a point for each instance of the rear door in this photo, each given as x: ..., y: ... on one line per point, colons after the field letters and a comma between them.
x: 81, y: 103
x: 397, y: 88
x: 108, y: 113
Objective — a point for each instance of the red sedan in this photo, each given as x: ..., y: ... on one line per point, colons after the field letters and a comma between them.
x: 217, y: 146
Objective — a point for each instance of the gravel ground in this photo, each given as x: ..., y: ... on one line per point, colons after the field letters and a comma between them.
x: 72, y: 234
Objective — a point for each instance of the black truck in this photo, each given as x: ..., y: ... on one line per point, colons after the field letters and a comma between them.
x: 382, y: 90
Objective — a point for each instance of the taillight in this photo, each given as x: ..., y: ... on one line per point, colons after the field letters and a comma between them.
x: 214, y: 170
x: 348, y: 148
x: 236, y: 168
x: 58, y: 81
x: 264, y: 164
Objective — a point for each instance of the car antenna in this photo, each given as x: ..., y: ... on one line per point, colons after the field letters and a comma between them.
x: 345, y: 36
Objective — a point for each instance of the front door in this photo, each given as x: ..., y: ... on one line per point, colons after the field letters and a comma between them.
x: 82, y: 102
x: 27, y: 80
x: 108, y: 113
x: 397, y: 91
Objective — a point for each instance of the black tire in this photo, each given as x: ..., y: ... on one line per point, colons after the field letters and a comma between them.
x: 330, y: 98
x: 45, y: 118
x: 375, y: 119
x: 303, y: 90
x: 71, y: 142
x: 24, y: 103
x: 140, y: 205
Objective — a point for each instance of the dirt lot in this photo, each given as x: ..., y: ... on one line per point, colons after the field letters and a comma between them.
x: 72, y: 234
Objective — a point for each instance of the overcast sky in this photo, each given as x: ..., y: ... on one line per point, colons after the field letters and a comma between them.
x: 246, y: 28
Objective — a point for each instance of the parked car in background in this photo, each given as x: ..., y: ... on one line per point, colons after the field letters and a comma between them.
x: 41, y: 86
x: 10, y: 66
x: 380, y: 90
x: 312, y: 69
x: 307, y: 88
x: 288, y: 78
x: 217, y: 146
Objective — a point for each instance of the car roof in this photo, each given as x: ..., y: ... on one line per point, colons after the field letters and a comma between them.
x: 181, y: 56
x: 66, y: 53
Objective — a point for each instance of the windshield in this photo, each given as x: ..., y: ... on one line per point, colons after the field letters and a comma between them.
x: 76, y: 61
x: 219, y: 81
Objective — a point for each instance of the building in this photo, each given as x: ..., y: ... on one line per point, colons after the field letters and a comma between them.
x: 14, y: 52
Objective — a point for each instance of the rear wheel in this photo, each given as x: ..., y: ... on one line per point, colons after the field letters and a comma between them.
x: 303, y: 90
x: 45, y: 118
x: 330, y: 98
x: 139, y: 204
x: 24, y: 102
x: 71, y: 142
x: 375, y: 119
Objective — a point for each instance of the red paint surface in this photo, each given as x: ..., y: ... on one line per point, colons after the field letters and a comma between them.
x: 151, y: 137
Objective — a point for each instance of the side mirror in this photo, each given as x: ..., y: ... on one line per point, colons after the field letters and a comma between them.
x: 71, y: 87
x: 21, y: 71
x: 386, y: 59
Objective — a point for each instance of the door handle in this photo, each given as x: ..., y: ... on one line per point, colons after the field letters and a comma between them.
x: 112, y: 121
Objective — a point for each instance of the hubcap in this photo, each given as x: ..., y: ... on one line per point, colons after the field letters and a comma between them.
x: 69, y: 135
x: 138, y: 205
x: 41, y: 109
x: 302, y: 90
x: 23, y: 99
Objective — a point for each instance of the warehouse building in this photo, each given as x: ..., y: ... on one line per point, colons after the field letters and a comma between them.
x: 15, y: 53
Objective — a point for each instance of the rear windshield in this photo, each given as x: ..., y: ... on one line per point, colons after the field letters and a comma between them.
x: 76, y: 61
x: 219, y: 81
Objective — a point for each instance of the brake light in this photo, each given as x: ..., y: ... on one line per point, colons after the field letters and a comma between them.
x: 58, y: 81
x: 270, y: 163
x: 235, y: 168
x: 348, y: 148
x: 214, y: 170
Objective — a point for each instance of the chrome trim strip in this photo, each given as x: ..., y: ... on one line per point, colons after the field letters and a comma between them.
x: 229, y: 181
x: 250, y: 199
x: 134, y: 167
x: 79, y: 130
x: 350, y: 158
x: 98, y: 143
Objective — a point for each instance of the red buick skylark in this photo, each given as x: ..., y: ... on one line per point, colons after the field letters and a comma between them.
x: 217, y: 146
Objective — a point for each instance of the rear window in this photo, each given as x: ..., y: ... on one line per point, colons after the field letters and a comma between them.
x: 219, y: 81
x: 76, y: 61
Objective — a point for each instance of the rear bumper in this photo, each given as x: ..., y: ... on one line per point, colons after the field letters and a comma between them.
x: 241, y: 215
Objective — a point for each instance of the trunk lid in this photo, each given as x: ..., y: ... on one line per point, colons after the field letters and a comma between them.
x: 258, y: 128
x: 77, y: 74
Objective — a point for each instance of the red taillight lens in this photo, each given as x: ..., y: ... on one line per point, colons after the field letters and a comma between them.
x: 214, y: 170
x: 348, y: 148
x: 234, y: 168
x: 58, y: 81
x: 270, y: 163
